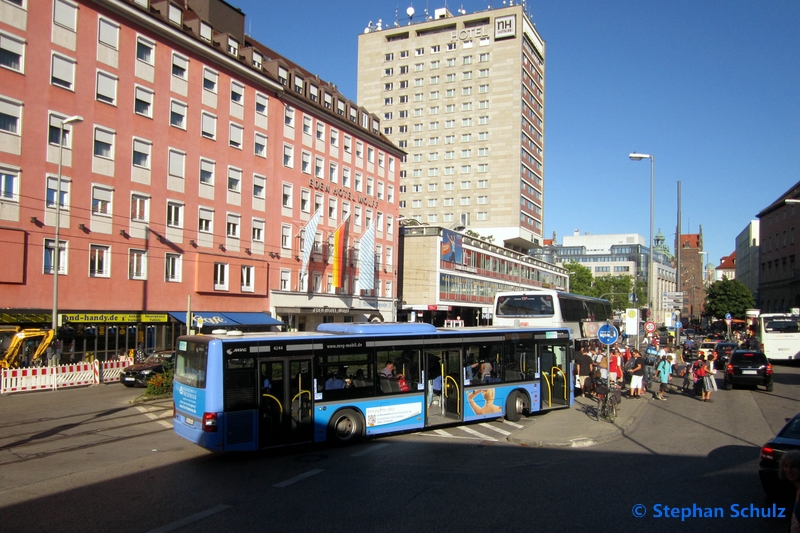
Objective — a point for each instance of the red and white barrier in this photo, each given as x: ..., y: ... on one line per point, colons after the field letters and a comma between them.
x: 111, y: 371
x: 28, y: 379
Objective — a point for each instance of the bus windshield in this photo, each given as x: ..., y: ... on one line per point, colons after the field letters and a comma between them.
x: 525, y: 305
x: 190, y: 364
x: 780, y: 326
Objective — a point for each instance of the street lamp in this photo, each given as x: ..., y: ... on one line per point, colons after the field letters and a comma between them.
x: 74, y: 119
x: 650, y: 274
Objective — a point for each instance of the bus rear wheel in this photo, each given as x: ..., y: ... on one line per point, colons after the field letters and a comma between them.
x: 346, y: 427
x: 515, y: 406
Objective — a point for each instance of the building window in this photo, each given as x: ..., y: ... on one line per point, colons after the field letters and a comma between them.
x: 205, y: 221
x: 286, y: 280
x: 220, y: 276
x: 237, y: 93
x: 248, y: 278
x: 103, y: 143
x: 234, y: 180
x: 210, y: 80
x: 140, y: 208
x: 232, y: 226
x: 143, y: 102
x: 180, y: 67
x: 288, y: 156
x: 145, y: 50
x: 65, y: 14
x: 49, y: 256
x: 12, y: 52
x: 208, y: 126
x: 286, y: 237
x: 305, y: 201
x: 10, y: 113
x: 176, y: 162
x: 9, y: 186
x: 207, y: 172
x: 9, y: 190
x: 260, y: 142
x: 259, y: 186
x: 177, y: 116
x: 286, y: 200
x: 258, y: 230
x: 141, y: 153
x: 137, y: 264
x: 62, y: 73
x: 174, y: 214
x: 99, y: 261
x: 106, y: 90
x: 236, y: 132
x: 101, y: 201
x: 288, y: 116
x: 172, y: 268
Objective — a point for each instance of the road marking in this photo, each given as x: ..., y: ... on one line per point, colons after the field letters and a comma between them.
x: 295, y: 479
x: 370, y: 450
x: 477, y: 434
x: 495, y: 428
x: 162, y: 413
x: 513, y: 424
x: 190, y: 519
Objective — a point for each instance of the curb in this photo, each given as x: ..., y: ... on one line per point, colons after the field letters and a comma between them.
x: 585, y: 442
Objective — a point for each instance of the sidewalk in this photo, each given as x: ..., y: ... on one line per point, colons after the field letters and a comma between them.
x: 578, y: 426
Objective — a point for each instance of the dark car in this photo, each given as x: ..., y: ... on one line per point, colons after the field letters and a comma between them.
x: 748, y: 367
x: 140, y: 373
x: 723, y: 353
x: 786, y: 440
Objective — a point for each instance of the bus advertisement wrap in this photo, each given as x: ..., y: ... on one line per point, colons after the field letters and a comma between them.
x: 389, y: 414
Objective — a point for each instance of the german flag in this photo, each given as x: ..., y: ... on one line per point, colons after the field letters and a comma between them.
x: 340, y: 252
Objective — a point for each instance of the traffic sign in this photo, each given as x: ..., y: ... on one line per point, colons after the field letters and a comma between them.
x: 632, y: 298
x: 607, y: 334
x: 728, y: 316
x: 678, y: 325
x: 672, y: 294
x: 649, y: 326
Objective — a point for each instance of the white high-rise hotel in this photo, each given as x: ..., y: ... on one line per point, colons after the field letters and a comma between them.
x: 464, y: 96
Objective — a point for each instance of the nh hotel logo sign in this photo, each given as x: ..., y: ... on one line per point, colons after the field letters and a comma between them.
x: 504, y: 28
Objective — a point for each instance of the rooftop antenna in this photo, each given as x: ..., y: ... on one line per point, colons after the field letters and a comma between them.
x: 410, y: 13
x: 396, y: 16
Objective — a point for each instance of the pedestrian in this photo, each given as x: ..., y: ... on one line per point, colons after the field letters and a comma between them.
x: 663, y: 373
x: 711, y: 377
x: 583, y: 369
x: 637, y: 374
x: 700, y: 373
x: 789, y: 469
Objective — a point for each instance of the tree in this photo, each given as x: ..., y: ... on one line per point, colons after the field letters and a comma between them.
x: 580, y: 279
x: 614, y: 289
x: 728, y: 296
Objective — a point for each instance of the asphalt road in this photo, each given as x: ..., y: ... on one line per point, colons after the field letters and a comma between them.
x: 88, y: 460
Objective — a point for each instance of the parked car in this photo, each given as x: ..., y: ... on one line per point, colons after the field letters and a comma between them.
x: 723, y: 352
x: 140, y: 373
x: 788, y: 438
x: 748, y: 367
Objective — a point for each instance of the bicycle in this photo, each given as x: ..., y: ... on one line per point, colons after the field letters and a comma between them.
x: 609, y: 399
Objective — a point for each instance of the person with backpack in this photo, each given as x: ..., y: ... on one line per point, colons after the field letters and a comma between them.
x: 700, y: 373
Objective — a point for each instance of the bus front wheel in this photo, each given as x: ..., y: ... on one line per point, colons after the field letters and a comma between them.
x: 346, y: 427
x: 515, y: 406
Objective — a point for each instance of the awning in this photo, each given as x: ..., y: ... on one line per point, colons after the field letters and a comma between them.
x: 228, y: 319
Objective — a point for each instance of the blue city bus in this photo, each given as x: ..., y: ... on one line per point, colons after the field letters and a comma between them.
x: 248, y: 391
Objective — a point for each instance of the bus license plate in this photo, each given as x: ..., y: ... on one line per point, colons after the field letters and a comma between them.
x: 749, y: 371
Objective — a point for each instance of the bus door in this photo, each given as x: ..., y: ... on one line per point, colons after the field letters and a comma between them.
x: 555, y: 372
x: 285, y: 402
x: 444, y: 391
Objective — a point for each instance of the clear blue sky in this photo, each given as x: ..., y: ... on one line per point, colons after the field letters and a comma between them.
x: 710, y: 87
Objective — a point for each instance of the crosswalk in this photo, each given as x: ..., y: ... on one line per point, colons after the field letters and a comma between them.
x: 160, y: 415
x: 484, y: 431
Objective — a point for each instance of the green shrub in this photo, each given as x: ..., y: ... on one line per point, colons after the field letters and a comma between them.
x: 160, y: 384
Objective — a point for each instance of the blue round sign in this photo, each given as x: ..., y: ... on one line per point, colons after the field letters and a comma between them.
x: 607, y: 334
x: 728, y: 316
x: 679, y: 325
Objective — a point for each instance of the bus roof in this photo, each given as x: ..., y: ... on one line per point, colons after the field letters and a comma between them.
x: 371, y: 329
